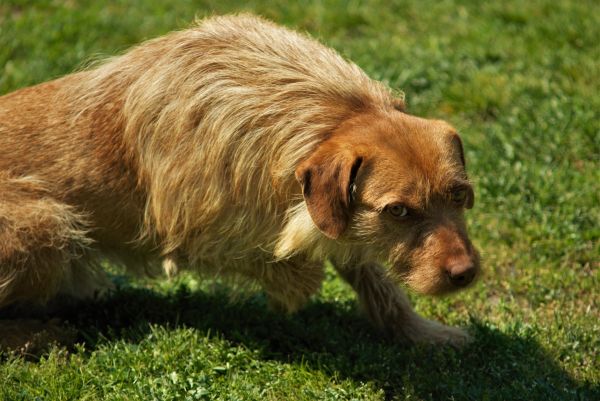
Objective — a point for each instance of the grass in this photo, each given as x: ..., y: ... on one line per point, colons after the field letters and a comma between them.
x: 520, y: 80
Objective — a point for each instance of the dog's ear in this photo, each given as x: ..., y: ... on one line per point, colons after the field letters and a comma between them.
x: 327, y: 180
x: 459, y: 153
x: 457, y: 149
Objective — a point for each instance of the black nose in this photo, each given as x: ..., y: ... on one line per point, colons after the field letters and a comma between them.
x: 461, y: 276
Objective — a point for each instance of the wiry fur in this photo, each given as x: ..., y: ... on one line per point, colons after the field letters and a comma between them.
x: 195, y: 148
x: 234, y: 100
x: 35, y: 230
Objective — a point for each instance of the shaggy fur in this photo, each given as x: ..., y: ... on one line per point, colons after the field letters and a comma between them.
x: 233, y: 147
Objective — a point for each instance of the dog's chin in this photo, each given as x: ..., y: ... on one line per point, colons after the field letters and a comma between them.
x: 432, y: 289
x: 440, y: 287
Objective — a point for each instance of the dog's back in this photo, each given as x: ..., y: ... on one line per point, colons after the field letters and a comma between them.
x: 243, y: 147
x: 186, y: 143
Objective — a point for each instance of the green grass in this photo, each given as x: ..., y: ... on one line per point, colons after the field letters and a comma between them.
x: 520, y: 80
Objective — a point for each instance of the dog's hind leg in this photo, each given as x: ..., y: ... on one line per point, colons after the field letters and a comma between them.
x: 289, y: 284
x: 386, y: 305
x: 43, y: 245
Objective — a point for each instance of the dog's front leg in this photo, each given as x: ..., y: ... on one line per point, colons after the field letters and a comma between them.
x: 389, y: 309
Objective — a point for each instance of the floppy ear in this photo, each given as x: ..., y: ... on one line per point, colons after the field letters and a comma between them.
x: 458, y: 150
x: 471, y: 199
x: 327, y: 180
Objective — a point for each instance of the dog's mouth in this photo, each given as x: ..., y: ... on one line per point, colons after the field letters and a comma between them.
x: 432, y: 280
x: 437, y: 269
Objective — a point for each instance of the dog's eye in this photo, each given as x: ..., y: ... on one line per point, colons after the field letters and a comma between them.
x: 397, y: 210
x: 459, y: 196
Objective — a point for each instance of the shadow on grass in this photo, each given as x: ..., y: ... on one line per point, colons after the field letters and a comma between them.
x: 335, y: 339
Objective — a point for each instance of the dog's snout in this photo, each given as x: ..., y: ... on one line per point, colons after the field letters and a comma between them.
x: 461, y: 274
x: 461, y: 269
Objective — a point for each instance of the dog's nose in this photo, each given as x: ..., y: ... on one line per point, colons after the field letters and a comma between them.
x: 461, y: 274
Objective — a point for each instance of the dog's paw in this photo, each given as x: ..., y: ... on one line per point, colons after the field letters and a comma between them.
x: 31, y: 338
x: 430, y: 332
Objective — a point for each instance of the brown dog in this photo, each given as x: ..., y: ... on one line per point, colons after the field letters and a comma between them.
x: 239, y: 147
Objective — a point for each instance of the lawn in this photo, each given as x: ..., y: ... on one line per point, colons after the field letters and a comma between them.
x: 521, y: 82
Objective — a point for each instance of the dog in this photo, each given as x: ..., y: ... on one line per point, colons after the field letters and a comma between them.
x: 235, y: 147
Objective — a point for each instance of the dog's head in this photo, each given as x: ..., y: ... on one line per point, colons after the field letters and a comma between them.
x: 394, y: 187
